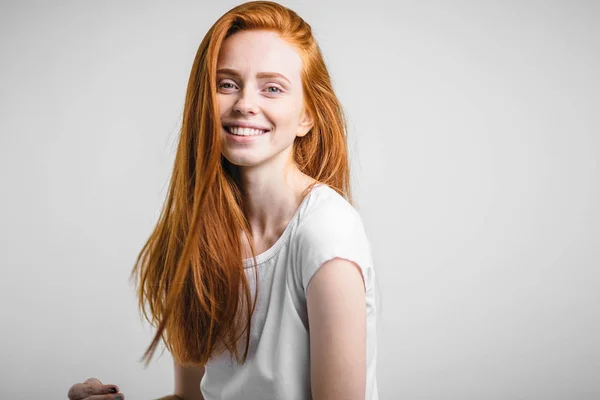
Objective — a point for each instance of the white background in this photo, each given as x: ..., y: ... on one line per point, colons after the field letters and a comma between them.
x: 474, y: 134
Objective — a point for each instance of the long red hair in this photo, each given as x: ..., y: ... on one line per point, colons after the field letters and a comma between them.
x: 190, y: 271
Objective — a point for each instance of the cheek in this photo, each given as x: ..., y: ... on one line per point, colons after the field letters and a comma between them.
x: 282, y: 114
x: 222, y: 104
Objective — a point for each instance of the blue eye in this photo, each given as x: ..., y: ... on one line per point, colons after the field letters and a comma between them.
x: 274, y: 87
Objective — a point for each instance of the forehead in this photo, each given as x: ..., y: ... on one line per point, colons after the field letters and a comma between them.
x: 260, y: 51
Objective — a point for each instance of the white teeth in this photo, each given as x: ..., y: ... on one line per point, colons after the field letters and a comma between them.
x: 244, y: 131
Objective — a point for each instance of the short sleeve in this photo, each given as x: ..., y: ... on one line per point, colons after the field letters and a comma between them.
x: 339, y: 234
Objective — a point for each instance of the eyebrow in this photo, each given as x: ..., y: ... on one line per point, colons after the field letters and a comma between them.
x: 229, y: 71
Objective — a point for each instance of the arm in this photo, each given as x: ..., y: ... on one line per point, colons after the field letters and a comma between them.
x: 187, y: 381
x: 336, y: 306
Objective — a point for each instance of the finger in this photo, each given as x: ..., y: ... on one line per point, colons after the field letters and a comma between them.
x: 79, y: 391
x: 110, y: 388
x: 89, y: 388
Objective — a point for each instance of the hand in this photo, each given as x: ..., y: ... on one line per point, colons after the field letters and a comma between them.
x: 93, y: 389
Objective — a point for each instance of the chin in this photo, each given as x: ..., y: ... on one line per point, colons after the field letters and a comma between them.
x: 239, y: 161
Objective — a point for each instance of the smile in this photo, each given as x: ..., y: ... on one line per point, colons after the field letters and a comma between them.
x: 238, y: 131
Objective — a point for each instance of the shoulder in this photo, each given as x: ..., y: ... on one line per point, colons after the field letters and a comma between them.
x: 327, y: 213
x: 330, y: 229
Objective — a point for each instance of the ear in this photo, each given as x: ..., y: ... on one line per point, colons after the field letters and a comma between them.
x: 306, y: 123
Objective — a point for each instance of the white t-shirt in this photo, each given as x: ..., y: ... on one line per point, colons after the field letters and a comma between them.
x: 325, y: 226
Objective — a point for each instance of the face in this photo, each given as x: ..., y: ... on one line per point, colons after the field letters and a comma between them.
x: 259, y: 86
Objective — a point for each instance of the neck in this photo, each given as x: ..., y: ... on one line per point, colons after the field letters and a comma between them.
x: 272, y: 199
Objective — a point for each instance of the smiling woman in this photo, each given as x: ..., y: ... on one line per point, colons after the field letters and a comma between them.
x: 259, y: 249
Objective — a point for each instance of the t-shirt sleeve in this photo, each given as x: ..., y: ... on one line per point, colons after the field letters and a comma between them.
x: 339, y: 234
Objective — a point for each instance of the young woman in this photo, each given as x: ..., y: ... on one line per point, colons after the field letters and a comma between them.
x: 259, y: 274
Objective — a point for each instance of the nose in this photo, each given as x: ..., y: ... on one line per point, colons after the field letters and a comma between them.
x: 246, y: 103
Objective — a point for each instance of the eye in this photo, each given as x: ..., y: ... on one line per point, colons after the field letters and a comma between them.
x: 222, y: 85
x: 274, y: 87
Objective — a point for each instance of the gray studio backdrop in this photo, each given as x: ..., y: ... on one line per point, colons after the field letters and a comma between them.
x: 474, y: 135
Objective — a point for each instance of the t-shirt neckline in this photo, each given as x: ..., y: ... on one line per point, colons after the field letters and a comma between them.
x: 274, y: 249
